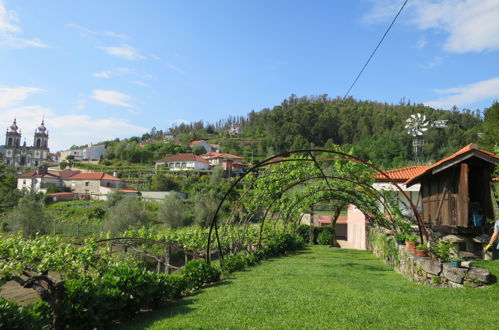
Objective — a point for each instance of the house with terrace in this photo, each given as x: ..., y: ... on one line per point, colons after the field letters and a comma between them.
x: 230, y: 163
x: 183, y: 162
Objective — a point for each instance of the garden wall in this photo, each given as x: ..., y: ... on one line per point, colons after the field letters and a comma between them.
x: 423, y: 270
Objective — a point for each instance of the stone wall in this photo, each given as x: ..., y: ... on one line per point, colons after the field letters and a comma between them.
x: 424, y: 270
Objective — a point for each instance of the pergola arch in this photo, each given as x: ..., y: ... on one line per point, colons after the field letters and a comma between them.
x: 277, y: 159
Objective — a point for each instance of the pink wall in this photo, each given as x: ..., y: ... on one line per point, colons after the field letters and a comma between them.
x: 356, y: 228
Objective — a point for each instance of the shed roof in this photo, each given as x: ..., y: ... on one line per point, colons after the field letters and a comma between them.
x: 471, y: 150
x: 401, y: 174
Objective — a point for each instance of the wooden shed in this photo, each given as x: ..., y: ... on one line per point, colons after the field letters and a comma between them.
x: 456, y: 191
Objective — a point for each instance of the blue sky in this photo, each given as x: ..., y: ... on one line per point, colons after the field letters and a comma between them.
x: 97, y: 70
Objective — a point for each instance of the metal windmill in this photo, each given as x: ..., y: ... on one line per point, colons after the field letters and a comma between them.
x: 416, y: 125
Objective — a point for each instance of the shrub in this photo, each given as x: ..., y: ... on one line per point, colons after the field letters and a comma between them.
x: 234, y: 263
x: 324, y: 237
x: 13, y: 316
x: 172, y: 286
x: 198, y: 272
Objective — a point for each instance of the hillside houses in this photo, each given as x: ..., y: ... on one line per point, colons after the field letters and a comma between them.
x: 80, y: 185
x: 183, y: 162
x: 188, y: 161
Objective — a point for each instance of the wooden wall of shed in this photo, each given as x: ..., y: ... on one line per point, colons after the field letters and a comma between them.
x: 443, y: 198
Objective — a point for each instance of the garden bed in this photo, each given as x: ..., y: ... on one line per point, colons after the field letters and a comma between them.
x: 424, y: 270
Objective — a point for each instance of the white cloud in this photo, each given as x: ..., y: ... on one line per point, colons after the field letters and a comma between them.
x: 119, y: 72
x: 11, y: 96
x: 126, y: 52
x: 174, y: 68
x: 67, y: 130
x: 156, y: 57
x: 435, y: 61
x: 469, y: 25
x: 86, y: 32
x: 111, y: 97
x: 466, y: 95
x: 9, y: 31
x: 422, y: 43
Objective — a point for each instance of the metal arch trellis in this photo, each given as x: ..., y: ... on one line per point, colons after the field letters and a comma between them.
x: 369, y: 189
x: 271, y: 160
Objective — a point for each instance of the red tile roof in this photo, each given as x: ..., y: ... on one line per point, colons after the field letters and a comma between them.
x: 196, y: 142
x: 188, y: 157
x: 95, y: 176
x: 468, y: 149
x: 213, y: 155
x: 50, y: 174
x: 324, y: 219
x: 401, y: 174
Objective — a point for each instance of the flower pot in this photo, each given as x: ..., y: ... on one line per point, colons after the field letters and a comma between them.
x: 422, y: 253
x: 411, y: 246
x: 455, y: 263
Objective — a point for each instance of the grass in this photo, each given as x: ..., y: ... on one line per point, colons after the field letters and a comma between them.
x: 331, y: 289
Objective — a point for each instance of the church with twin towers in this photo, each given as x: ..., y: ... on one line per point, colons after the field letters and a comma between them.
x: 19, y: 155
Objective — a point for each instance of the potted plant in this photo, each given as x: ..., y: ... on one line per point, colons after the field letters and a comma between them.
x: 441, y: 250
x: 455, y: 262
x: 421, y: 250
x: 400, y: 238
x: 410, y: 243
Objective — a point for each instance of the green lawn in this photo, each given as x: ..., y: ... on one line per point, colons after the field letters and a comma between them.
x: 331, y: 289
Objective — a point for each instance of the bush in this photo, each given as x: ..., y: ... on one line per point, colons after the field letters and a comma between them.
x: 172, y: 286
x: 198, y: 272
x: 234, y: 263
x: 118, y: 294
x: 324, y: 237
x: 13, y: 316
x: 280, y: 244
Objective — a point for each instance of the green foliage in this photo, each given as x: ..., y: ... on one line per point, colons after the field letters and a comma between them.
x: 235, y: 262
x: 385, y: 245
x: 29, y: 217
x: 324, y: 237
x: 490, y: 138
x: 198, y: 272
x: 13, y: 316
x: 172, y: 211
x: 279, y: 244
x: 160, y: 182
x: 442, y: 250
x: 9, y: 195
x: 125, y: 214
x: 421, y: 247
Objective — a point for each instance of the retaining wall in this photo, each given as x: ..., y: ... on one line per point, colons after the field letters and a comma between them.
x: 424, y: 270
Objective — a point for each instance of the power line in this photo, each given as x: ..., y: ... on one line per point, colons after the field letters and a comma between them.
x: 375, y: 49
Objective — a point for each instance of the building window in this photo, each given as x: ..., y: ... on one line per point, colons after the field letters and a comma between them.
x: 24, y: 182
x: 86, y: 184
x: 10, y: 142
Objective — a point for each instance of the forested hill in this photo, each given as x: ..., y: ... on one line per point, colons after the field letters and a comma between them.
x: 374, y: 130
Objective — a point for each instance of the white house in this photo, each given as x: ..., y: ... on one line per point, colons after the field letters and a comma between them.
x: 40, y: 179
x: 209, y: 147
x: 183, y: 162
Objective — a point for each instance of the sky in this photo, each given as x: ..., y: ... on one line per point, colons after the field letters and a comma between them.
x: 98, y: 70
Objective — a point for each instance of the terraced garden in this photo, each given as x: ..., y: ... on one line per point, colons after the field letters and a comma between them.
x: 327, y: 288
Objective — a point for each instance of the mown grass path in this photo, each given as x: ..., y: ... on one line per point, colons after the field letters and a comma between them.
x: 323, y: 288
